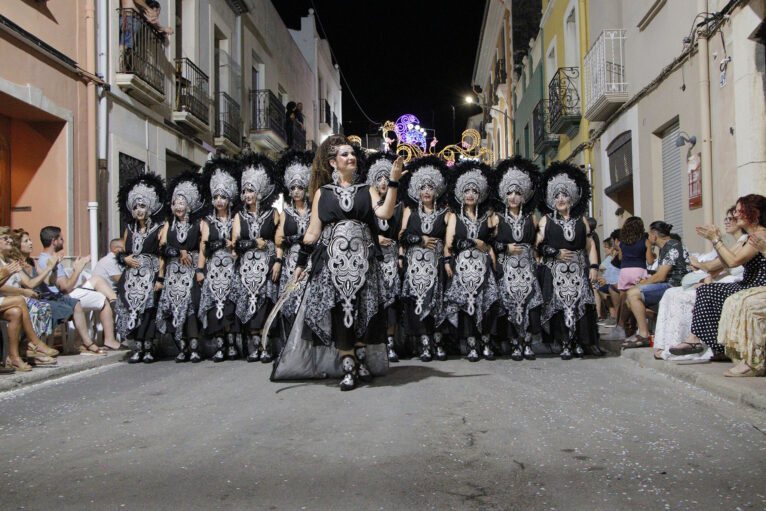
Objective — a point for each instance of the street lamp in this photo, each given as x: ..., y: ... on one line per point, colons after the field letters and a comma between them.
x: 470, y: 100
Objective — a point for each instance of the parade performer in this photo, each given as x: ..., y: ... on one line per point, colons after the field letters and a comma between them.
x: 259, y: 260
x: 516, y: 182
x: 472, y: 289
x: 570, y: 259
x: 215, y: 269
x: 424, y: 227
x: 378, y: 171
x: 142, y: 197
x: 295, y: 167
x: 180, y: 241
x: 345, y: 296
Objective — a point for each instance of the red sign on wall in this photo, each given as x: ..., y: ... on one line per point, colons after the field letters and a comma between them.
x: 694, y: 164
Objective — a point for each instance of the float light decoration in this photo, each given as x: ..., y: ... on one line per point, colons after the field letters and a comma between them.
x: 408, y: 131
x: 469, y: 147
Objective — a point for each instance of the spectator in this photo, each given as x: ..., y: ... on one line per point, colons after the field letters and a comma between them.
x: 289, y: 120
x: 107, y: 267
x: 742, y: 329
x: 92, y: 294
x: 750, y: 214
x: 298, y: 115
x: 636, y: 253
x: 607, y: 289
x: 673, y: 260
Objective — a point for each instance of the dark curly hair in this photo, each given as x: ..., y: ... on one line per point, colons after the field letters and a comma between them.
x: 753, y: 208
x: 321, y: 172
x: 632, y: 230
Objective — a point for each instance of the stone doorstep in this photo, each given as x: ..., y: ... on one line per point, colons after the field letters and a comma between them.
x: 67, y: 364
x: 708, y: 376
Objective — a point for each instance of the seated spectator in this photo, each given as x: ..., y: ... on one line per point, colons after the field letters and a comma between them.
x: 63, y: 307
x: 742, y: 329
x: 39, y: 312
x: 107, y: 267
x: 750, y: 214
x: 674, y: 316
x: 92, y: 294
x: 608, y: 283
x: 673, y: 260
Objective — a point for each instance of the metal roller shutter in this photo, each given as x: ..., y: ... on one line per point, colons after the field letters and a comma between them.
x: 672, y: 191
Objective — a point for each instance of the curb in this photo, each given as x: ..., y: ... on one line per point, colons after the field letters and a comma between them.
x: 68, y: 364
x: 708, y: 376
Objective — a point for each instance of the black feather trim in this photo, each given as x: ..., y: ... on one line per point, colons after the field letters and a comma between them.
x: 580, y: 179
x: 457, y: 171
x: 224, y: 163
x: 196, y: 178
x: 524, y: 165
x: 150, y: 179
x: 253, y: 159
x: 412, y: 167
x: 361, y: 163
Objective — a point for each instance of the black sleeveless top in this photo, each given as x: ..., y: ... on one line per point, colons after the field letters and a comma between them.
x: 294, y: 222
x: 353, y: 203
x: 390, y: 228
x: 438, y: 228
x: 147, y: 242
x: 462, y: 230
x: 522, y: 231
x: 571, y: 235
x: 214, y: 234
x: 260, y: 226
x: 184, y: 240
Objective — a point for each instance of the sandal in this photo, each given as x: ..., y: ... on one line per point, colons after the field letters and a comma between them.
x: 750, y: 372
x: 43, y: 350
x: 636, y: 342
x: 20, y: 366
x: 40, y: 359
x: 692, y: 348
x: 86, y: 350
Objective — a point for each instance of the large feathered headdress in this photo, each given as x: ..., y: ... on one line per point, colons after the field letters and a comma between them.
x: 564, y: 177
x: 429, y: 170
x: 147, y: 190
x: 259, y: 174
x: 379, y: 164
x: 189, y: 186
x: 468, y: 175
x: 295, y: 169
x: 520, y: 175
x: 361, y: 163
x: 220, y: 176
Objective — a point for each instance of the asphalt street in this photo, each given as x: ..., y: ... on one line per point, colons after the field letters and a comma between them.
x: 585, y: 434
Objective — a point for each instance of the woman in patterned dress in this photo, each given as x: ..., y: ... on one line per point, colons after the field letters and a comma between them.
x: 215, y: 268
x: 424, y: 228
x: 138, y: 288
x: 342, y: 309
x: 750, y: 215
x: 378, y: 171
x: 468, y: 260
x: 295, y: 167
x: 516, y: 183
x: 570, y: 260
x: 180, y: 240
x: 259, y: 260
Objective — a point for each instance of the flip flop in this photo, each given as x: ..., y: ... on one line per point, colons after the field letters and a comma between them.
x: 85, y: 350
x: 692, y: 349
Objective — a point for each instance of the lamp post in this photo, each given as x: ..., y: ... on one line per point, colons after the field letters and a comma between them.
x: 470, y: 100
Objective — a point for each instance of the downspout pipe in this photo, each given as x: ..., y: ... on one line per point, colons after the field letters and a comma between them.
x: 704, y: 108
x: 90, y: 63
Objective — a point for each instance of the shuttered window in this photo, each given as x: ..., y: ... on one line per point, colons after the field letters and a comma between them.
x: 672, y: 183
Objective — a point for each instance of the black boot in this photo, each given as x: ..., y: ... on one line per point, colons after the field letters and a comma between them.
x: 138, y: 354
x: 231, y: 350
x: 148, y: 357
x: 578, y: 351
x: 487, y: 349
x: 392, y: 356
x: 362, y: 370
x: 473, y: 352
x: 516, y: 353
x: 425, y: 348
x: 253, y: 348
x: 439, y: 353
x: 218, y: 357
x: 566, y: 352
x: 266, y: 356
x: 528, y: 353
x: 596, y: 351
x: 182, y: 355
x: 348, y: 364
x: 194, y: 349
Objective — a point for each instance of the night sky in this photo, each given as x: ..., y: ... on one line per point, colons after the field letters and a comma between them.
x: 400, y: 57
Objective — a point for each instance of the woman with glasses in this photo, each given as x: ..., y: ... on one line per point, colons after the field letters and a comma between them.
x: 674, y: 316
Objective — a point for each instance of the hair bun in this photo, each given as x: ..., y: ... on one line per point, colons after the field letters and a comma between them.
x: 670, y: 227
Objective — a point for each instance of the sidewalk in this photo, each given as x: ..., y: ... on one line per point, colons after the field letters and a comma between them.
x: 67, y: 364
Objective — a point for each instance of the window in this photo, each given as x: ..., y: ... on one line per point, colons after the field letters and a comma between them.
x: 526, y: 141
x: 551, y: 65
x: 620, y: 153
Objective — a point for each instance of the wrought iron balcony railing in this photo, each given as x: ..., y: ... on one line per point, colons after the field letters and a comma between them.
x: 267, y: 112
x: 192, y: 94
x: 564, y: 110
x: 141, y: 49
x: 543, y: 139
x: 501, y: 75
x: 229, y: 120
x: 604, y: 74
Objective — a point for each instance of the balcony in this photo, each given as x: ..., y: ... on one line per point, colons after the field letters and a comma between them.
x: 192, y: 106
x: 298, y: 138
x: 267, y: 121
x: 325, y: 114
x: 139, y: 71
x: 501, y: 75
x: 544, y: 141
x: 605, y: 86
x: 564, y: 110
x: 228, y: 127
